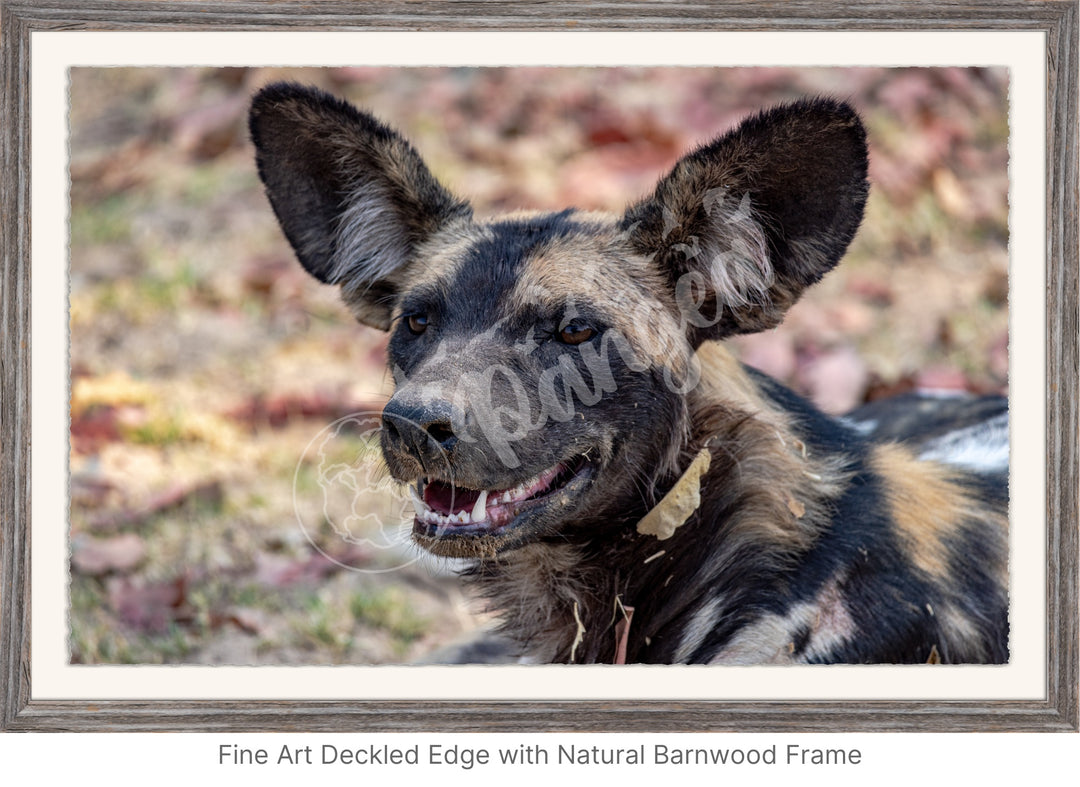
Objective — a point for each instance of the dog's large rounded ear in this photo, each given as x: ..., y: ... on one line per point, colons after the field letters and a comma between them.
x: 744, y: 224
x: 352, y: 196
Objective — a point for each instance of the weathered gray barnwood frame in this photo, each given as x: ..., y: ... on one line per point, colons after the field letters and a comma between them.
x: 1056, y: 18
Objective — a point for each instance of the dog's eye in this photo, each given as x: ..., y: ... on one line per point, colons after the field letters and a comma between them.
x: 417, y: 323
x: 575, y: 333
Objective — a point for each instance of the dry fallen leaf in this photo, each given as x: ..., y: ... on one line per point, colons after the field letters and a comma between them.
x: 678, y: 504
x: 97, y: 556
x: 951, y: 194
x: 148, y: 606
x: 207, y: 493
x: 113, y: 389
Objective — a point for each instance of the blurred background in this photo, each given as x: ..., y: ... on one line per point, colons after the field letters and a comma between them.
x: 209, y: 371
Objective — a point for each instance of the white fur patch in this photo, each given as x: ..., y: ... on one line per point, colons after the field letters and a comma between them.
x: 703, y: 621
x: 743, y: 274
x: 371, y: 243
x: 981, y: 447
x: 771, y: 638
x: 862, y: 427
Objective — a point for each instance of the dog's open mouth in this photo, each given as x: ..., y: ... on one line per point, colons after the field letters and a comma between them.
x: 445, y: 510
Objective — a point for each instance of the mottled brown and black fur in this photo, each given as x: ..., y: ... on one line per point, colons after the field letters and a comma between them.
x: 557, y: 373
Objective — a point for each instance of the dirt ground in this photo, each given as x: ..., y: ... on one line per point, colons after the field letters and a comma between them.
x: 227, y: 504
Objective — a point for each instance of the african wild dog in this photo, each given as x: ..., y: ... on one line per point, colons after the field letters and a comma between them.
x: 567, y: 419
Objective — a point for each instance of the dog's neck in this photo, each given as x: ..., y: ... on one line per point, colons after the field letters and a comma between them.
x: 563, y: 600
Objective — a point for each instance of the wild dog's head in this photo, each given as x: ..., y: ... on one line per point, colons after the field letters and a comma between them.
x: 542, y: 361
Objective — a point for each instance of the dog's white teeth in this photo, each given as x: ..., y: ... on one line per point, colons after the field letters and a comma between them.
x: 479, y: 511
x: 480, y: 508
x: 418, y: 502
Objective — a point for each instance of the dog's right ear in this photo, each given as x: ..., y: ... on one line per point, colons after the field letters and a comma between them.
x: 352, y: 196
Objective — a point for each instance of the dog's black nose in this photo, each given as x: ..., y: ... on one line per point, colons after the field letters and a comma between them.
x: 423, y: 429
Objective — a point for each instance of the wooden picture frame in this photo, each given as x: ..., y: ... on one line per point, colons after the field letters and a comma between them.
x: 1057, y: 711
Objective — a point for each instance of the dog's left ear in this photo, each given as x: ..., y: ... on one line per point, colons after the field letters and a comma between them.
x: 744, y: 224
x: 354, y: 198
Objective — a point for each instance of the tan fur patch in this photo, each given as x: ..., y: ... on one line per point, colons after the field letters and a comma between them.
x: 724, y: 379
x: 594, y: 267
x: 439, y: 257
x: 925, y: 505
x: 787, y: 488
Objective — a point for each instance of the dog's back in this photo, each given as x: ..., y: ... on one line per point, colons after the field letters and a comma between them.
x: 908, y: 558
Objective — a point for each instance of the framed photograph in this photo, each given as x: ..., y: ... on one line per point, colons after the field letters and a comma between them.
x: 209, y: 517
